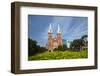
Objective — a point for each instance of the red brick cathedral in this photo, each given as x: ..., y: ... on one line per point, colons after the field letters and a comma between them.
x: 54, y: 42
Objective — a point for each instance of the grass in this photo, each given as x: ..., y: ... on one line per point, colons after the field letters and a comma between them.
x: 59, y: 55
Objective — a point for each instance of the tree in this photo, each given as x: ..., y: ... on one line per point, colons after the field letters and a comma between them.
x: 77, y: 44
x: 61, y: 48
x: 84, y: 38
x: 32, y: 44
x: 65, y: 46
x: 33, y: 48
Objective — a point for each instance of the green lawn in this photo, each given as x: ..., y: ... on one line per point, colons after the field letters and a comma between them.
x: 59, y: 55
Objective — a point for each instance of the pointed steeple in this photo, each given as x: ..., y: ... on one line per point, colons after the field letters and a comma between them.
x: 50, y: 29
x: 58, y: 31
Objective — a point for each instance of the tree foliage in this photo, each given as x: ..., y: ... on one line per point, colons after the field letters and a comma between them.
x: 84, y: 38
x: 61, y: 48
x: 77, y: 44
x: 33, y: 48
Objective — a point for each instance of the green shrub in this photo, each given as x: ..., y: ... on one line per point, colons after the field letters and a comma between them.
x: 59, y: 55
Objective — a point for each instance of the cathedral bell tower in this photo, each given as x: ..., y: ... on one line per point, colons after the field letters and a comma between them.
x: 59, y: 38
x: 54, y: 42
x: 50, y: 43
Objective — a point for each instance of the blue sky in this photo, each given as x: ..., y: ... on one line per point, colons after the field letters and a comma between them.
x: 71, y: 27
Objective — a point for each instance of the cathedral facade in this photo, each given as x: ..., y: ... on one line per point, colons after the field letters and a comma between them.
x: 54, y: 42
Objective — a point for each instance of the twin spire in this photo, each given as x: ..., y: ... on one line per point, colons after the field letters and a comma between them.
x: 50, y: 29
